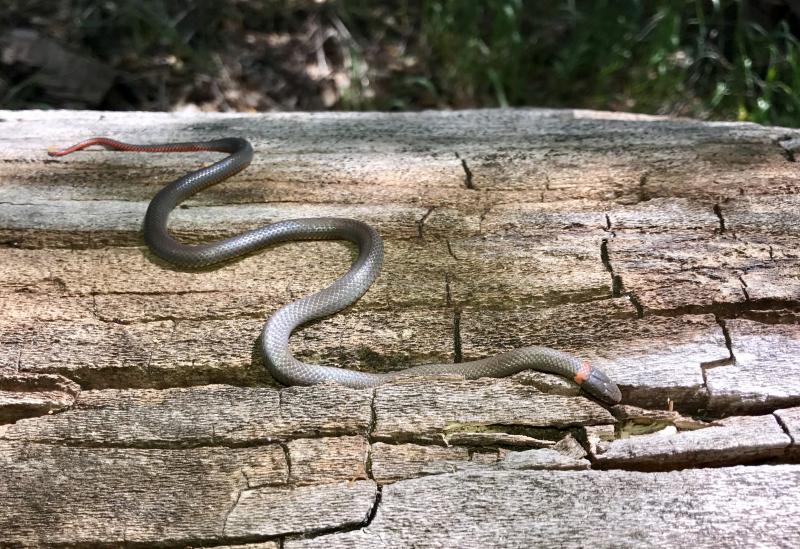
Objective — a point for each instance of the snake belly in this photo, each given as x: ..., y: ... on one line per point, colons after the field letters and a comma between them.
x: 344, y: 291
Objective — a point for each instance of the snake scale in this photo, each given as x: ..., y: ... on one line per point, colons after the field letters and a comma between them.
x: 345, y: 290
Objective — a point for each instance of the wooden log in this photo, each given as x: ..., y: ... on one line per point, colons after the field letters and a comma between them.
x: 710, y: 507
x: 462, y: 406
x: 542, y: 458
x: 123, y: 492
x: 392, y: 462
x: 765, y: 375
x: 270, y: 512
x: 329, y: 459
x: 23, y: 395
x: 215, y: 415
x: 663, y: 251
x: 733, y: 441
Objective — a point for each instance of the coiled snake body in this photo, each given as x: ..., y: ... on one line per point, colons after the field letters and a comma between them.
x: 346, y: 290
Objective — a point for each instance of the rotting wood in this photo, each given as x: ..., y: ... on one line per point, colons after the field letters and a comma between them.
x: 733, y: 441
x: 664, y: 251
x: 632, y: 420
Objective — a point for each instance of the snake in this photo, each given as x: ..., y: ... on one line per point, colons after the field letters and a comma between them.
x: 346, y: 290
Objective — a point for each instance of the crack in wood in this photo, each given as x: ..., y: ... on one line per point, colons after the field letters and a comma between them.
x: 421, y: 222
x: 748, y: 309
x: 718, y: 212
x: 684, y: 465
x: 41, y: 412
x: 604, y: 257
x: 373, y: 419
x: 727, y: 335
x: 199, y: 443
x: 22, y: 203
x: 468, y: 182
x: 452, y: 253
x: 785, y: 428
x: 744, y: 288
x: 370, y: 516
x: 457, y: 350
x: 368, y: 461
x: 374, y: 510
x: 287, y: 455
x: 183, y: 543
x: 176, y: 319
x: 617, y: 288
x: 636, y: 303
x: 239, y: 490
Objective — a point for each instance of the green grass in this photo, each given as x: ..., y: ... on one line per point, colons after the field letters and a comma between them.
x: 719, y: 59
x: 690, y: 57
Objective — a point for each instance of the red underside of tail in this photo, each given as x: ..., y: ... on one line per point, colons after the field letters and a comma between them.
x: 120, y: 146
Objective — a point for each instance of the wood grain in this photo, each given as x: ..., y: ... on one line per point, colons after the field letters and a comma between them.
x: 135, y: 408
x: 701, y: 507
x: 733, y: 441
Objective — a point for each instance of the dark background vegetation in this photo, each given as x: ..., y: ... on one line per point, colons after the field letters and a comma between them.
x: 723, y: 59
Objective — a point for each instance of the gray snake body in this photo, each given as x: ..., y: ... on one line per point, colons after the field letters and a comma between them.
x: 344, y: 291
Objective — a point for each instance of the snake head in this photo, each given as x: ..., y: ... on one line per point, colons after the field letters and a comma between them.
x: 600, y: 386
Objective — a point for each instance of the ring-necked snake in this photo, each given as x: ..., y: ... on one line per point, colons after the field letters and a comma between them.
x: 346, y: 290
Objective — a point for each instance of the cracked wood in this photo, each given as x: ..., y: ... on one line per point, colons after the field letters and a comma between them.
x: 663, y: 250
x: 697, y: 507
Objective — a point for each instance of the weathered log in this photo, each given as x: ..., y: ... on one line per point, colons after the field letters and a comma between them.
x: 764, y: 375
x: 135, y: 408
x: 698, y: 507
x: 735, y: 440
x: 391, y: 462
x: 216, y: 415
